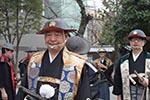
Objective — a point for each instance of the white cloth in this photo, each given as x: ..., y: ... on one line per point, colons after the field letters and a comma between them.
x: 47, y: 91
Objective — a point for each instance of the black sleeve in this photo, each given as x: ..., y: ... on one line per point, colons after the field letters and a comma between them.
x: 89, y: 85
x: 20, y: 68
x: 23, y: 68
x: 108, y: 74
x: 3, y: 74
x: 94, y: 83
x: 117, y: 89
x: 149, y: 82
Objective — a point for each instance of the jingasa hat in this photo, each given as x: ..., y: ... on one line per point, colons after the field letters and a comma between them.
x: 101, y: 50
x: 137, y: 33
x: 55, y: 25
x: 31, y: 49
x: 8, y: 46
x: 78, y: 45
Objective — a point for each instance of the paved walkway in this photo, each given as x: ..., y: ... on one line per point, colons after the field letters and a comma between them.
x: 112, y: 97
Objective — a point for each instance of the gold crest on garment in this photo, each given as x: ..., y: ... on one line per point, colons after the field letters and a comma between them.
x: 51, y: 24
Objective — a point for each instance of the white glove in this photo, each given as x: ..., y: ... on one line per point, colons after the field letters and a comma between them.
x: 47, y: 91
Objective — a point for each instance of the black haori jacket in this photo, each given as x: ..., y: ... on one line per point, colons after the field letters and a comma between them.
x: 122, y: 69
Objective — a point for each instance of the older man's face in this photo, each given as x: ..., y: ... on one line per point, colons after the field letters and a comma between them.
x: 55, y: 40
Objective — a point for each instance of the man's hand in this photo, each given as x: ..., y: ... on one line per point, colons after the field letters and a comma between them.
x: 102, y: 67
x: 4, y: 94
x: 145, y: 82
x: 17, y: 80
x: 119, y: 97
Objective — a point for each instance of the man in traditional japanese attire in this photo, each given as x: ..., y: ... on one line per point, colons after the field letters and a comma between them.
x: 7, y: 74
x: 105, y: 67
x: 58, y: 74
x: 23, y: 63
x: 132, y: 73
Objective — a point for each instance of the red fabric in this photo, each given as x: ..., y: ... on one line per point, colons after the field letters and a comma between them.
x: 26, y: 58
x: 5, y: 58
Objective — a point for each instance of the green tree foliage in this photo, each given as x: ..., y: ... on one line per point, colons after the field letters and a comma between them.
x: 106, y: 39
x: 126, y: 15
x: 108, y: 18
x: 135, y: 14
x: 17, y: 18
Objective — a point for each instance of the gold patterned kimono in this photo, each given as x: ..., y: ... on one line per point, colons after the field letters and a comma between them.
x: 73, y: 64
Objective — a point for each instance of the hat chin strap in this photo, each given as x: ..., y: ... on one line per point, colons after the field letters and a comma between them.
x: 58, y: 45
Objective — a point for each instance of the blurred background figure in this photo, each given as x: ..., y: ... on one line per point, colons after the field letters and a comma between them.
x: 81, y: 46
x: 24, y: 62
x: 105, y: 67
x: 78, y: 45
x: 7, y: 74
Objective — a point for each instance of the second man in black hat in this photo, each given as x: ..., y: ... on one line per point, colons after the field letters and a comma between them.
x: 132, y: 71
x: 24, y: 62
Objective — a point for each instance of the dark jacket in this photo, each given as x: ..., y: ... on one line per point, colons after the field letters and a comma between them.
x: 6, y: 79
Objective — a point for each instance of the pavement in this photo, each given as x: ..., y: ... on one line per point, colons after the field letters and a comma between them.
x: 112, y: 97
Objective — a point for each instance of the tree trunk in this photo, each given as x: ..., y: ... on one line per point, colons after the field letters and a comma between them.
x: 85, y: 18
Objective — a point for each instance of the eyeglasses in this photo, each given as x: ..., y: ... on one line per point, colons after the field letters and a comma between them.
x: 136, y: 39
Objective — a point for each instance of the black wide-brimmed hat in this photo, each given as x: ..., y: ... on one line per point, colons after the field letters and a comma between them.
x: 8, y: 46
x: 55, y: 25
x: 78, y: 45
x: 32, y: 49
